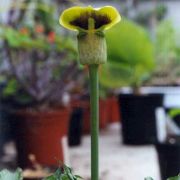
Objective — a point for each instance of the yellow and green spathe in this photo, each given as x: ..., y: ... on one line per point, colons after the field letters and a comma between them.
x: 90, y: 23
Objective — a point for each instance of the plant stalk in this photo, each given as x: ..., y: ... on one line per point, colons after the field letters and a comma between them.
x: 94, y: 114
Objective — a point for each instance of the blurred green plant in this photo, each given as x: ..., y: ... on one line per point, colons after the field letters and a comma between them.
x: 174, y: 112
x: 39, y: 56
x: 144, y: 17
x: 160, y: 11
x: 26, y: 39
x: 167, y: 71
x: 130, y: 57
x: 174, y: 178
x: 165, y: 43
x: 65, y: 174
x: 60, y: 174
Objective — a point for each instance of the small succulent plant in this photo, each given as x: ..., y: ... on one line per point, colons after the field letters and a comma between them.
x: 65, y: 174
x: 60, y: 174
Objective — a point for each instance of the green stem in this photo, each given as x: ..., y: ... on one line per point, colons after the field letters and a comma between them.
x: 94, y: 104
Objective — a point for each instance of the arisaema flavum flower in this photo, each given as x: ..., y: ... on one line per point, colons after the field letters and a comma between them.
x: 90, y: 23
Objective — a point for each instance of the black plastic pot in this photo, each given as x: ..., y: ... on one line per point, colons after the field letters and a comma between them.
x: 138, y: 118
x: 169, y: 158
x: 177, y: 120
x: 6, y: 134
x: 75, y: 127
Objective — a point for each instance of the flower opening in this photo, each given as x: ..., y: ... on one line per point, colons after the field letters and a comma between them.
x: 99, y: 20
x: 76, y: 18
x: 90, y: 22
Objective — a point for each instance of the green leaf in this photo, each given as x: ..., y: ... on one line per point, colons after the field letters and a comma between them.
x: 174, y: 112
x: 65, y: 174
x: 130, y: 55
x: 52, y: 177
x: 174, y: 178
x: 78, y: 177
x: 148, y: 178
x: 58, y: 175
x: 7, y: 175
x: 11, y: 88
x: 12, y: 37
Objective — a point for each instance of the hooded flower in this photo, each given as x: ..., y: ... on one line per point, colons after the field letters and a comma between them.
x: 76, y: 18
x: 90, y: 23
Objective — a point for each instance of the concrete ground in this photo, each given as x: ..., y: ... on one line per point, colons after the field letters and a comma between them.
x: 117, y: 161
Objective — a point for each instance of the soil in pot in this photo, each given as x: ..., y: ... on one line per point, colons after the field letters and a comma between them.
x: 138, y: 118
x: 40, y: 134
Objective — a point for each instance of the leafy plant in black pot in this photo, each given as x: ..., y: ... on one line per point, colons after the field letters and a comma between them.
x: 168, y: 151
x: 131, y: 62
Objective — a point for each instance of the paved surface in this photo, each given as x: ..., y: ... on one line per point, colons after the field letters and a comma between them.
x: 117, y: 162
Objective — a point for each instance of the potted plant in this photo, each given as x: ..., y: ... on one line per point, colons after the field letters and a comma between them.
x: 42, y: 67
x: 113, y: 113
x: 103, y: 121
x: 81, y: 99
x: 90, y: 32
x: 168, y: 151
x: 131, y: 61
x: 75, y: 127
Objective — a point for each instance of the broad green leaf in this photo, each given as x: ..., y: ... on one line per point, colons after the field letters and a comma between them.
x: 130, y: 56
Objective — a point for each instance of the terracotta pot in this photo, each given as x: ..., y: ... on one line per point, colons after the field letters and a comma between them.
x: 40, y: 133
x: 113, y: 112
x: 103, y: 115
x: 85, y: 105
